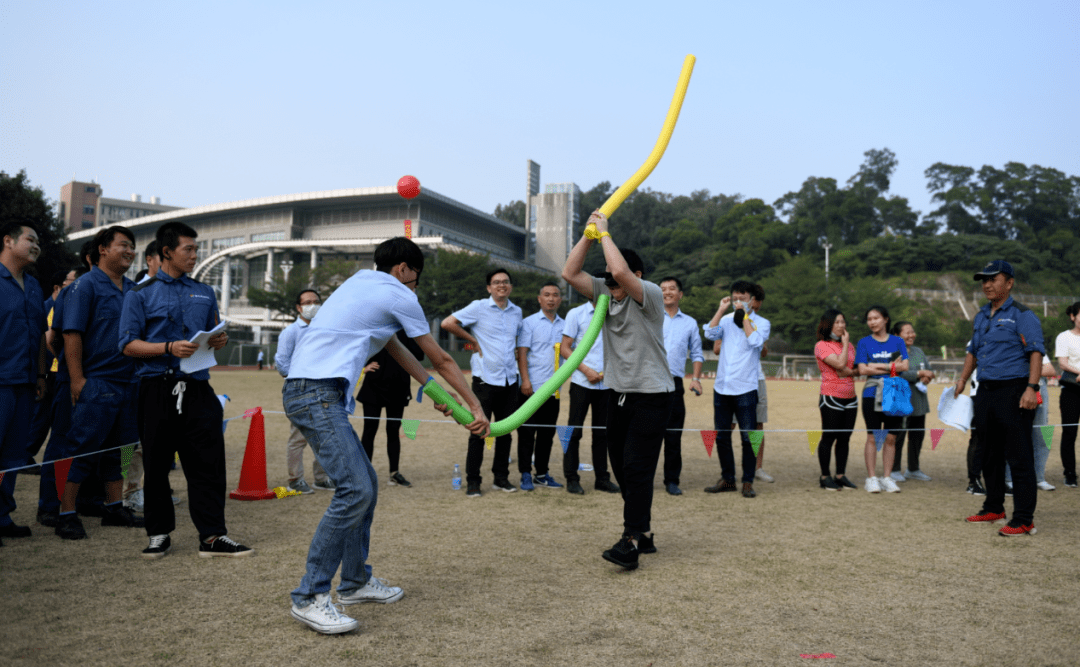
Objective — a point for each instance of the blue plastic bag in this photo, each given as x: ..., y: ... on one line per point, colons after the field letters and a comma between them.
x: 896, y: 397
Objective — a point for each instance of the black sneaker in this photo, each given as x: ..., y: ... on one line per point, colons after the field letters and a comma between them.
x: 11, y: 530
x: 646, y: 545
x: 223, y: 546
x: 606, y: 485
x: 504, y: 485
x: 843, y: 481
x: 118, y: 515
x: 70, y: 527
x: 397, y: 479
x: 159, y: 546
x: 473, y: 491
x: 722, y: 486
x: 829, y: 484
x: 672, y: 489
x: 89, y: 509
x: 1070, y: 481
x: 574, y: 486
x: 976, y: 489
x: 623, y: 554
x: 47, y: 518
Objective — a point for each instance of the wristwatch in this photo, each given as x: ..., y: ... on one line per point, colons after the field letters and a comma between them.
x: 1033, y: 386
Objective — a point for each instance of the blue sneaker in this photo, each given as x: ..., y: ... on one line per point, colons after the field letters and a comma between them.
x: 548, y: 481
x: 526, y: 482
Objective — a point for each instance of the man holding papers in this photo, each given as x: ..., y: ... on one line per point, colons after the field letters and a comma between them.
x: 178, y: 408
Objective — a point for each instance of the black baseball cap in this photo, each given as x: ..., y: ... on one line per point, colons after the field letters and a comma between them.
x: 995, y: 267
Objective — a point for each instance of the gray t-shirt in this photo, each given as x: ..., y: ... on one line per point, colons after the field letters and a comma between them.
x: 635, y: 360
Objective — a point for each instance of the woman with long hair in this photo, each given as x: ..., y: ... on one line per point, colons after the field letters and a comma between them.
x: 879, y: 355
x: 1067, y: 351
x: 837, y: 402
x: 914, y: 431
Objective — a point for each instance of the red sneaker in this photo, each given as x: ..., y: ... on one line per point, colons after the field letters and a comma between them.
x: 986, y: 516
x: 1010, y: 529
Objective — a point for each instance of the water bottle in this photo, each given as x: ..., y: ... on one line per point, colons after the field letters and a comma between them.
x: 456, y: 479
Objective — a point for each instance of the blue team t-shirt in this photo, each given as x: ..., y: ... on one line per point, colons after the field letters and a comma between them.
x: 871, y: 351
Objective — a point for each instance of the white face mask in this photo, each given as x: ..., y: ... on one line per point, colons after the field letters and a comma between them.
x: 308, y: 311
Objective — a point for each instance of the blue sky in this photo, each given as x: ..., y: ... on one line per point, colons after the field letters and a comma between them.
x: 207, y: 102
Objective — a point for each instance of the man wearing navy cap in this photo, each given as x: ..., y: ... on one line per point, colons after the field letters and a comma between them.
x: 1007, y: 347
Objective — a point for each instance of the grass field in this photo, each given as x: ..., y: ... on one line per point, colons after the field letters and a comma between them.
x: 517, y: 579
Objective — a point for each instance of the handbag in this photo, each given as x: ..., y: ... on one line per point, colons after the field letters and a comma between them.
x: 896, y: 397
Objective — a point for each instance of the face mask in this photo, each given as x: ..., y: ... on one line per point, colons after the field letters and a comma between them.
x: 834, y: 336
x: 308, y: 311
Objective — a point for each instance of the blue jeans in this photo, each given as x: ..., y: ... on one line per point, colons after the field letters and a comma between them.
x: 743, y: 408
x: 1042, y: 418
x: 317, y: 408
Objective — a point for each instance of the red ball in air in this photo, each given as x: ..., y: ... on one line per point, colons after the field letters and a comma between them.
x: 408, y: 187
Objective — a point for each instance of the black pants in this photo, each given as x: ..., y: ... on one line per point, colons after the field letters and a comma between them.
x: 532, y: 439
x: 673, y: 436
x: 372, y: 412
x: 838, y: 417
x: 636, y: 425
x: 975, y: 456
x: 1004, y: 430
x: 914, y: 439
x: 194, y: 431
x: 501, y: 402
x: 1070, y: 414
x: 581, y: 399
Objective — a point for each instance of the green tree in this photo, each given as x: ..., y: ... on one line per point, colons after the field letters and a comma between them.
x: 280, y: 294
x: 24, y: 203
x: 514, y: 213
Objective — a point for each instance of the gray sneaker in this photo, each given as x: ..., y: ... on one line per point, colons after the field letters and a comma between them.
x: 917, y: 474
x: 375, y: 590
x: 301, y: 486
x: 325, y: 485
x: 135, y: 502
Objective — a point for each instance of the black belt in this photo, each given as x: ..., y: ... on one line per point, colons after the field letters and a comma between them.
x: 993, y: 384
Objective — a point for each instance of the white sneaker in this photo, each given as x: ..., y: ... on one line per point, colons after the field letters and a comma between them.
x: 889, y: 485
x: 917, y: 474
x: 764, y: 476
x: 322, y: 616
x: 1045, y: 486
x: 897, y: 476
x: 135, y: 501
x: 872, y: 485
x: 375, y: 590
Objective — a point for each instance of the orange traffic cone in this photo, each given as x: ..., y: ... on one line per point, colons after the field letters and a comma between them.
x: 253, y: 473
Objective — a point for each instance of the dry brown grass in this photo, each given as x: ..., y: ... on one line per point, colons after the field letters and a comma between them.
x: 518, y: 578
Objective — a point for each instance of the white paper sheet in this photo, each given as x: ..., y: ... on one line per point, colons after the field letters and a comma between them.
x: 204, y: 356
x: 955, y: 411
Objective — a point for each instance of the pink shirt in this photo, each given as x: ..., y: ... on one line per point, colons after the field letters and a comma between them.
x: 831, y: 383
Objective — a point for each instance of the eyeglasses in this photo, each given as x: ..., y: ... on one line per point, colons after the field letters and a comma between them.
x: 500, y: 282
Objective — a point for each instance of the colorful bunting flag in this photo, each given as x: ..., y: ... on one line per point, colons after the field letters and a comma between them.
x: 879, y: 438
x: 283, y: 491
x: 252, y: 412
x: 409, y: 426
x: 565, y: 433
x: 813, y: 437
x: 1048, y: 434
x: 935, y: 437
x: 755, y: 440
x: 1, y: 478
x: 125, y: 459
x: 709, y: 438
x: 489, y: 442
x: 408, y: 229
x: 61, y: 467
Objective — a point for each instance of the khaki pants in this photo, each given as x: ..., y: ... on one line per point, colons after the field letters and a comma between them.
x: 295, y: 458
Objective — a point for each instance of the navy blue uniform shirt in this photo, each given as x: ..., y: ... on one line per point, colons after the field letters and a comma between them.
x: 92, y: 308
x: 1003, y: 343
x: 22, y: 321
x: 167, y: 309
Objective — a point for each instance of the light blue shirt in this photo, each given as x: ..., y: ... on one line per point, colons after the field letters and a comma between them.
x: 740, y: 355
x: 681, y: 338
x: 352, y: 325
x: 539, y: 335
x: 496, y: 330
x: 286, y: 344
x: 577, y: 323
